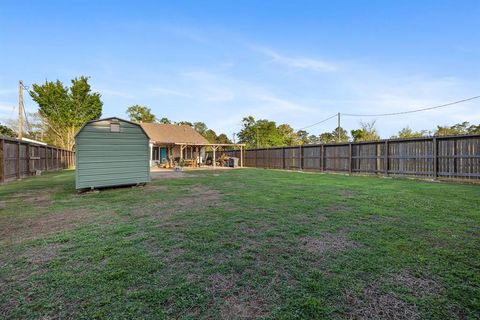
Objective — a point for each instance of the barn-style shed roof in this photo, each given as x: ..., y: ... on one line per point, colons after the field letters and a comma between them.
x: 172, y: 134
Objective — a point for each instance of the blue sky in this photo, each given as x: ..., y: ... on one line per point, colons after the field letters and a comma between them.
x: 294, y: 62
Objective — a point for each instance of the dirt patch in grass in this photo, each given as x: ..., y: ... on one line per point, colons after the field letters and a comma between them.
x: 194, y: 198
x: 236, y: 301
x: 199, y: 196
x: 154, y: 188
x: 419, y: 287
x: 374, y: 303
x: 41, y: 255
x: 338, y: 208
x: 19, y: 230
x: 38, y: 198
x: 348, y: 193
x: 161, y: 175
x: 328, y: 242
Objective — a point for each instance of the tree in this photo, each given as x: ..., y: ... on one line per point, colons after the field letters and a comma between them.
x: 260, y: 133
x: 200, y: 127
x: 474, y: 129
x: 327, y: 137
x: 6, y: 131
x: 313, y: 139
x: 210, y: 135
x: 457, y: 129
x: 333, y: 137
x: 222, y: 138
x: 367, y: 132
x: 65, y: 109
x: 165, y: 120
x: 287, y: 134
x: 140, y: 114
x: 409, y: 133
x: 302, y: 137
x: 184, y: 123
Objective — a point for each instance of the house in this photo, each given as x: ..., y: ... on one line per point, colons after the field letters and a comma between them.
x: 174, y: 142
x: 111, y: 152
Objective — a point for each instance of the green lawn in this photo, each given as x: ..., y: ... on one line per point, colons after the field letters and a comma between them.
x: 246, y: 243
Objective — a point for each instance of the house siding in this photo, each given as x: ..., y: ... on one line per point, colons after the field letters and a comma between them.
x: 105, y: 158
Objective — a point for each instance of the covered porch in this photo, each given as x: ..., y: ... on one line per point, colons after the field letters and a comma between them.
x: 169, y: 155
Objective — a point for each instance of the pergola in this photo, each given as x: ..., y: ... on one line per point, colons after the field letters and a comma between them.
x: 214, y: 147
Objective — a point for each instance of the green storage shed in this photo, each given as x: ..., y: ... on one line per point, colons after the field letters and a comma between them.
x: 111, y: 152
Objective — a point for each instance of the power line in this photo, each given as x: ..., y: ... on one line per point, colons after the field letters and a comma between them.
x: 411, y: 111
x: 317, y: 123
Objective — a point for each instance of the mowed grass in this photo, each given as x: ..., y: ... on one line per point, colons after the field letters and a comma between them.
x: 247, y: 243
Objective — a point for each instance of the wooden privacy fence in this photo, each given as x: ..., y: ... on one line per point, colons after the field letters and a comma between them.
x: 19, y: 158
x: 433, y: 157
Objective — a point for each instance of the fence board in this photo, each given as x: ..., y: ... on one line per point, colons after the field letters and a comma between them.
x: 20, y: 158
x: 456, y: 157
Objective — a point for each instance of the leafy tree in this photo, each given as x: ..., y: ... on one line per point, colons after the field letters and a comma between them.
x: 333, y: 136
x: 302, y: 136
x: 6, y: 131
x: 64, y: 110
x: 165, y: 120
x: 327, y: 137
x: 343, y: 136
x: 260, y: 133
x: 409, y: 133
x: 313, y: 139
x: 457, y: 129
x: 367, y: 132
x: 222, y: 138
x: 140, y: 114
x: 287, y: 134
x: 201, y: 128
x: 185, y: 123
x: 210, y: 135
x: 474, y: 129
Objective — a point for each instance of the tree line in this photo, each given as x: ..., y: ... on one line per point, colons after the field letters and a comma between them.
x: 265, y: 133
x: 63, y: 109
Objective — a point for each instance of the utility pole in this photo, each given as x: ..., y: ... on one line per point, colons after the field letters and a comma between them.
x: 20, y: 109
x: 257, y: 137
x: 338, y: 127
x: 233, y: 137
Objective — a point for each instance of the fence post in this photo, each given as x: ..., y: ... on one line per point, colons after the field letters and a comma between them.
x: 350, y: 159
x: 385, y: 161
x: 17, y: 164
x: 435, y: 156
x: 46, y: 158
x: 455, y: 162
x: 27, y: 163
x: 2, y: 160
x: 256, y: 158
x: 283, y: 158
x: 322, y: 161
x: 301, y: 157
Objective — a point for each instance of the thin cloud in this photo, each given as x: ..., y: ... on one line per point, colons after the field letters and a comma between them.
x: 297, y: 62
x: 116, y: 93
x: 169, y: 92
x: 281, y: 105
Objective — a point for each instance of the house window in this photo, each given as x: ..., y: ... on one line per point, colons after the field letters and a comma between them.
x: 155, y: 153
x: 114, y: 126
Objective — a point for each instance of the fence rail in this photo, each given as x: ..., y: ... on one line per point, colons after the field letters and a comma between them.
x: 453, y: 157
x: 19, y: 158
